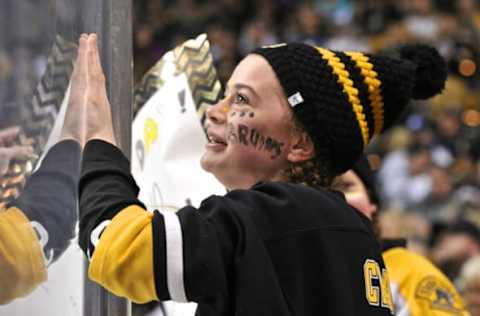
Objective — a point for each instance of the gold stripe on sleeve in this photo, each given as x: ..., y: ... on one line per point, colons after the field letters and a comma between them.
x: 22, y: 266
x: 123, y: 260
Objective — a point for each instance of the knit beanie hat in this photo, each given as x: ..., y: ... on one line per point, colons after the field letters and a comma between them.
x: 343, y: 99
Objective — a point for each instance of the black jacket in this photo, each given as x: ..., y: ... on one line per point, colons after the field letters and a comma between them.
x: 275, y: 249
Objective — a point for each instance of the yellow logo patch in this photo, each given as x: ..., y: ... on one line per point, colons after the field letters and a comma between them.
x: 435, y: 292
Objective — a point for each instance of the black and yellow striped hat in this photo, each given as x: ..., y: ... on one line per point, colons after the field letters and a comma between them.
x: 343, y: 99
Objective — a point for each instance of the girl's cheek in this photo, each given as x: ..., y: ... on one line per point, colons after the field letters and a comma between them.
x: 247, y: 135
x: 242, y: 114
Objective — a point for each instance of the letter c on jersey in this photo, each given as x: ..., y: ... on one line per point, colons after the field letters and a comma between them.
x: 377, y: 293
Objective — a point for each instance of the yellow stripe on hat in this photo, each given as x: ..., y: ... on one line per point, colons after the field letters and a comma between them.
x: 373, y: 83
x: 344, y: 78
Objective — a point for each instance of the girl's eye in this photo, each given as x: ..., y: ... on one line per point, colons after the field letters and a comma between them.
x: 239, y: 99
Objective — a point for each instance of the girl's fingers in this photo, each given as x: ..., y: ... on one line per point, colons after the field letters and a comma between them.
x: 9, y: 134
x: 94, y: 64
x: 16, y: 152
x: 81, y: 63
x: 80, y: 67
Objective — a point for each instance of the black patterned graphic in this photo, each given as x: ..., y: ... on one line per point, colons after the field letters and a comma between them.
x: 150, y: 83
x: 39, y: 114
x: 195, y: 60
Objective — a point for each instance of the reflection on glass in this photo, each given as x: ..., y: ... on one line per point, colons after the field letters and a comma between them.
x: 39, y: 161
x: 36, y: 227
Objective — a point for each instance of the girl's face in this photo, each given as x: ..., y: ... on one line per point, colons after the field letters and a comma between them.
x: 251, y: 133
x: 355, y: 193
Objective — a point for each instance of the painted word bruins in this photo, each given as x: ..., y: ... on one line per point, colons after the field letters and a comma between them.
x: 251, y: 137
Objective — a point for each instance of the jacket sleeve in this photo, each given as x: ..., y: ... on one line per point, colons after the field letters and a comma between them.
x: 182, y: 256
x: 22, y: 266
x: 49, y: 199
x: 420, y: 288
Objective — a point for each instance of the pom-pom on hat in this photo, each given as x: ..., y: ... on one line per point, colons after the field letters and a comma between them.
x: 343, y: 99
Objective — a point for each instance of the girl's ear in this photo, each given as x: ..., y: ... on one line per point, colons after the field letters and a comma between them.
x: 301, y: 148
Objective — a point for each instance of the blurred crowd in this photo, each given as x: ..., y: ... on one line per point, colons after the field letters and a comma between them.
x: 428, y: 166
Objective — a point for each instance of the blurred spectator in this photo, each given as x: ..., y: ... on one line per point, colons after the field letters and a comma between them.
x: 470, y: 285
x: 416, y: 229
x: 347, y: 39
x: 442, y: 189
x: 375, y: 17
x: 257, y: 33
x: 449, y: 131
x: 307, y: 26
x: 453, y: 245
x: 422, y: 22
x: 223, y: 46
x: 403, y: 177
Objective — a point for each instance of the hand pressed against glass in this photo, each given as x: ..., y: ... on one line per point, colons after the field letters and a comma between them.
x: 9, y: 151
x: 251, y: 132
x: 88, y: 114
